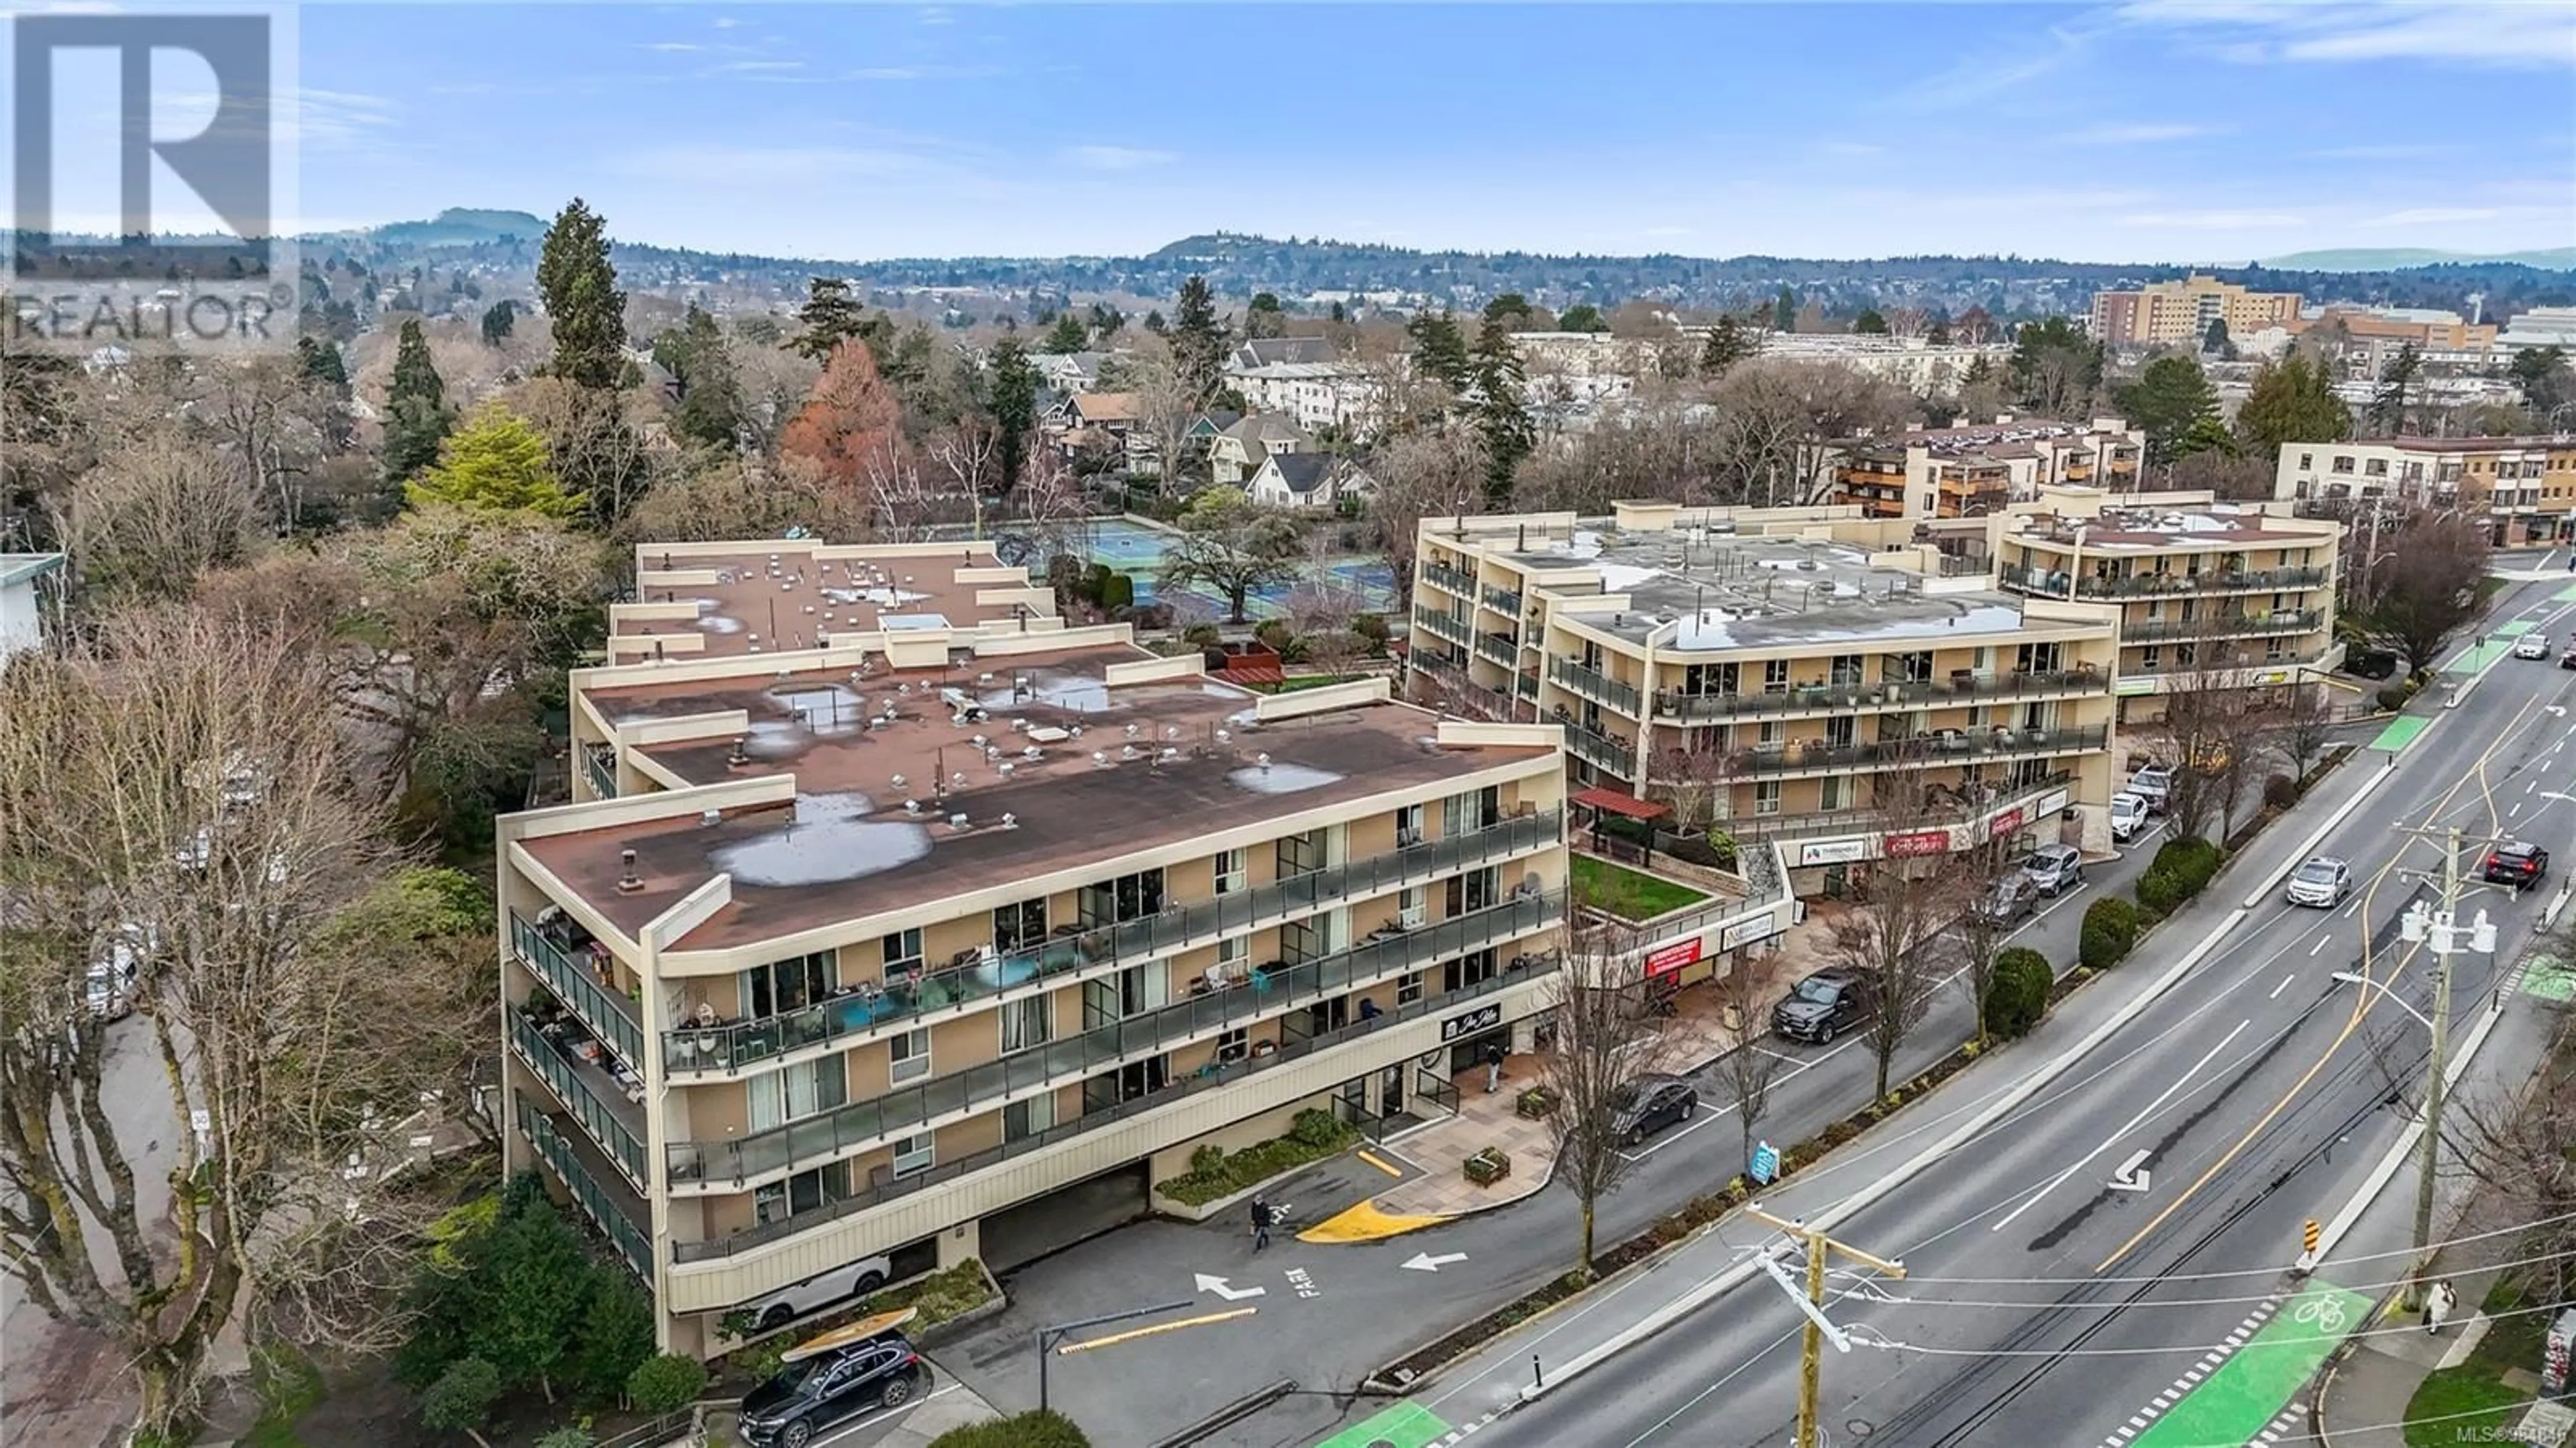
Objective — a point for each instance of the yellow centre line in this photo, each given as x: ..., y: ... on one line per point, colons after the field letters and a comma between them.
x: 1133, y: 1333
x: 2360, y: 1006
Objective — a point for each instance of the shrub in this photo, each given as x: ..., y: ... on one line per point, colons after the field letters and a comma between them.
x: 570, y: 1435
x: 2160, y: 892
x: 2394, y: 697
x: 1313, y: 1136
x: 2098, y: 947
x: 1205, y: 635
x: 2280, y: 791
x: 1095, y: 584
x: 1276, y: 633
x: 2192, y: 863
x: 1208, y: 1160
x: 2019, y: 993
x: 665, y: 1383
x: 1371, y: 629
x: 1316, y: 1127
x: 2110, y: 929
x: 462, y: 1398
x: 1118, y: 591
x: 1020, y: 1430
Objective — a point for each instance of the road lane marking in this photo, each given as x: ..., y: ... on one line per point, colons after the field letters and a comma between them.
x: 2284, y: 985
x: 2320, y: 945
x: 2348, y: 909
x: 2149, y: 1110
x: 1153, y: 1329
x: 2247, y: 1399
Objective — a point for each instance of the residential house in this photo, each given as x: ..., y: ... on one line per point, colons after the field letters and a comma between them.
x: 1239, y: 451
x: 1309, y: 480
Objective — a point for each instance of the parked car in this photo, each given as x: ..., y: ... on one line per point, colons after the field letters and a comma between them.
x: 2531, y: 646
x: 2128, y: 815
x: 2154, y: 784
x: 2370, y: 663
x: 2009, y: 898
x: 1822, y: 1006
x: 2323, y: 881
x: 1650, y: 1103
x: 108, y: 987
x: 2054, y: 869
x: 819, y: 1291
x: 2516, y: 864
x: 823, y: 1385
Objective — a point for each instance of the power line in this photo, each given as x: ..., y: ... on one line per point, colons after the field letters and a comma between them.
x: 1862, y: 1335
x: 2242, y: 1272
x: 1873, y: 1294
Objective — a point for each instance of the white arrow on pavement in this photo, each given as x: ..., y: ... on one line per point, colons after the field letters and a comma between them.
x: 2558, y: 711
x: 1425, y: 1262
x: 2132, y: 1175
x: 1218, y: 1286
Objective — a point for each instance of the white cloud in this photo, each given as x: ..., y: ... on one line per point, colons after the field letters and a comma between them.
x: 2524, y: 36
x: 729, y: 22
x: 2436, y: 215
x: 732, y: 166
x: 2141, y: 133
x: 2211, y: 220
x: 671, y: 47
x: 758, y: 67
x: 1116, y: 158
x: 2399, y: 151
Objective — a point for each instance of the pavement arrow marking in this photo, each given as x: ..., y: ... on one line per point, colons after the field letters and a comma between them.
x: 2144, y: 1112
x: 2132, y: 1175
x: 1218, y: 1286
x: 1425, y: 1262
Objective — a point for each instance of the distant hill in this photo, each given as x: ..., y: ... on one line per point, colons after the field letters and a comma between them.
x: 2396, y: 258
x: 461, y: 226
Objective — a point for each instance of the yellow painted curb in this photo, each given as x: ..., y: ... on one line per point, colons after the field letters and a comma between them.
x: 1365, y: 1223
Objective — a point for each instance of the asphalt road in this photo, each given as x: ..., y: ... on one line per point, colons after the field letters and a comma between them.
x: 2047, y: 1303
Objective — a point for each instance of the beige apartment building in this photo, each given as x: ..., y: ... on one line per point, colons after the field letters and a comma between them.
x: 895, y: 918
x: 2169, y: 313
x: 1769, y: 666
x: 2205, y: 593
x: 2525, y: 487
x: 1971, y: 471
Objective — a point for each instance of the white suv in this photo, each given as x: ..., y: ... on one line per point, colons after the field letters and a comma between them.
x: 2128, y: 815
x: 823, y: 1289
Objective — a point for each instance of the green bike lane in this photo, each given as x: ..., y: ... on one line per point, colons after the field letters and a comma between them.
x: 2232, y: 1401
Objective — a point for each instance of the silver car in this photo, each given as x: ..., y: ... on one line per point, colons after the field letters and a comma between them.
x: 2054, y: 868
x: 2323, y: 882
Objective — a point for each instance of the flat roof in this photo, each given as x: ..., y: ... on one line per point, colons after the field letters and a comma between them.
x: 2151, y: 529
x: 765, y: 601
x: 1724, y: 591
x: 849, y: 848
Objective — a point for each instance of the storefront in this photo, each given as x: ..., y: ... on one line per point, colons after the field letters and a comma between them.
x: 1467, y: 1034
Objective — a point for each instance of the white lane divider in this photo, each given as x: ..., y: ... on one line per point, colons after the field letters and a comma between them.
x: 2148, y: 1110
x: 2284, y: 985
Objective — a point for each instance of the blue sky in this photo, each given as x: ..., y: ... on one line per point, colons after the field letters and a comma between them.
x: 2150, y: 131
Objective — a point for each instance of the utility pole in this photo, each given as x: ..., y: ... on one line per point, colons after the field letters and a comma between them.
x: 1811, y: 1361
x: 2443, y: 937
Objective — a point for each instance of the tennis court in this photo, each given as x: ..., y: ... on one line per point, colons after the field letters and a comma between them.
x: 1138, y: 550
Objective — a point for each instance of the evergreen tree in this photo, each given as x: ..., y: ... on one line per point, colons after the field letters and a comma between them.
x: 1066, y: 335
x: 581, y: 295
x: 1784, y: 311
x: 1265, y: 318
x: 701, y: 367
x: 1727, y: 346
x: 1869, y: 323
x: 1015, y: 405
x: 1336, y: 314
x: 1582, y: 317
x: 1440, y: 349
x: 2388, y: 407
x: 2547, y: 385
x: 2170, y: 398
x: 1154, y: 322
x: 1198, y: 344
x: 1105, y: 320
x: 1501, y: 416
x: 495, y: 462
x: 498, y: 319
x: 318, y: 358
x: 1511, y: 309
x: 830, y: 317
x: 415, y: 407
x: 2055, y: 367
x: 2214, y: 338
x: 1939, y: 335
x: 2291, y: 401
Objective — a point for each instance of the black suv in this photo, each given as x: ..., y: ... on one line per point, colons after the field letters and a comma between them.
x: 808, y: 1396
x: 2518, y: 865
x: 1822, y: 1006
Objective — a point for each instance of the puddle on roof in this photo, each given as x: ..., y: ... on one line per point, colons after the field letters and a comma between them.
x: 1282, y: 778
x: 831, y: 841
x: 882, y: 597
x: 712, y: 621
x: 824, y: 709
x: 1079, y: 693
x: 912, y: 621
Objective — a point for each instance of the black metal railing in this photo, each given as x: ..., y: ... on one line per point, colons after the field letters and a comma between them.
x: 1944, y: 747
x: 1594, y: 684
x: 864, y: 1124
x: 581, y: 1097
x: 1886, y: 694
x: 1291, y: 1047
x: 632, y: 1242
x: 900, y: 1004
x: 2221, y: 626
x: 610, y: 1016
x: 599, y: 761
x: 1502, y: 649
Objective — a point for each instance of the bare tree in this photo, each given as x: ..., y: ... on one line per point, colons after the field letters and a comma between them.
x: 177, y: 786
x: 2305, y: 725
x: 2207, y: 731
x: 1978, y: 930
x: 969, y: 452
x: 157, y: 512
x: 1891, y: 939
x: 1776, y: 419
x: 1694, y: 778
x: 1423, y: 475
x: 2426, y: 582
x: 2517, y: 1143
x: 1608, y: 1030
x: 1748, y: 1071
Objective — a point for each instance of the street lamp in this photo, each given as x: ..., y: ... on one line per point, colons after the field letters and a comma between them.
x: 2441, y: 934
x: 2392, y: 997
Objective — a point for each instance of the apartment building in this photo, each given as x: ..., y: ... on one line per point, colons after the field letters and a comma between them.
x: 2205, y: 593
x: 2166, y: 313
x: 1766, y: 669
x: 1974, y: 470
x: 895, y: 918
x: 2525, y: 487
x: 1917, y: 364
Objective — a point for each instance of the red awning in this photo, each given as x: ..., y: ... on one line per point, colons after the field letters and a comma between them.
x: 1250, y: 674
x: 1621, y: 804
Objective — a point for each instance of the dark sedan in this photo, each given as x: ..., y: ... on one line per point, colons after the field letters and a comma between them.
x: 1651, y: 1103
x: 2518, y: 865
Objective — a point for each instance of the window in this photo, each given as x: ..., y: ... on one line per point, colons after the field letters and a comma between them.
x: 2343, y: 463
x: 787, y: 985
x: 1469, y: 970
x: 908, y: 1055
x: 2308, y: 462
x: 1845, y: 671
x: 1128, y: 897
x: 802, y: 1192
x: 1234, y: 950
x: 913, y: 1154
x: 1027, y: 1022
x: 1234, y: 1045
x: 1766, y: 797
x: 902, y: 952
x: 1836, y: 793
x: 798, y: 1091
x: 1466, y: 813
x: 1408, y: 826
x: 1409, y: 989
x: 1017, y: 927
x: 1022, y: 1119
x: 1775, y: 676
x: 2375, y: 468
x: 1473, y: 890
x: 1412, y: 907
x: 1299, y: 854
x: 1233, y: 871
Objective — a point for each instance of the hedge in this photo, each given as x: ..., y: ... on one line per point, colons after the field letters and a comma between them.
x: 1313, y: 1136
x: 2018, y: 994
x: 1020, y: 1430
x: 2110, y: 929
x: 2159, y: 893
x: 2192, y: 862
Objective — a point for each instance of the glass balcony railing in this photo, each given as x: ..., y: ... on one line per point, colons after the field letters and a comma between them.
x: 1502, y: 649
x: 1506, y: 599
x: 900, y: 1004
x: 1961, y: 804
x: 1447, y: 626
x: 1441, y: 575
x: 610, y: 1016
x: 1948, y: 746
x: 632, y: 1242
x: 861, y: 1125
x: 2166, y: 585
x: 600, y: 763
x: 1292, y: 1046
x: 1600, y: 750
x: 1594, y: 684
x: 585, y: 1099
x: 1960, y: 688
x: 2222, y: 626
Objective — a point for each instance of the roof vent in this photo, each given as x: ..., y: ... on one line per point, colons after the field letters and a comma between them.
x: 628, y: 882
x: 1005, y: 768
x: 957, y: 822
x: 741, y: 755
x: 710, y: 818
x: 899, y: 781
x: 1263, y: 760
x: 1099, y: 760
x: 1032, y: 752
x: 1010, y: 821
x: 1127, y: 751
x: 912, y: 806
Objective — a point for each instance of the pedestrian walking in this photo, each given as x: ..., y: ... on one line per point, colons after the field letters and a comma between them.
x: 1493, y: 1067
x: 2437, y: 1307
x: 1262, y: 1218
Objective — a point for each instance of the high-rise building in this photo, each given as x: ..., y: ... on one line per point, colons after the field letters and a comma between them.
x: 2167, y: 313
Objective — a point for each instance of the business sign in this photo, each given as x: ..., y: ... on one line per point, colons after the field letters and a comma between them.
x: 1914, y: 844
x: 1832, y: 852
x: 1765, y: 1164
x: 2052, y: 802
x: 2005, y: 823
x: 1745, y: 932
x: 1670, y: 959
x: 1482, y: 1018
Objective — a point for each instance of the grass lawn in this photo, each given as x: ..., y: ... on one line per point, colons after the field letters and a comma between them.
x: 2476, y: 1388
x: 1620, y: 891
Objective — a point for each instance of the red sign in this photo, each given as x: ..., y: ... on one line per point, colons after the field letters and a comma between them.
x: 1670, y: 959
x: 2005, y: 823
x: 1917, y: 844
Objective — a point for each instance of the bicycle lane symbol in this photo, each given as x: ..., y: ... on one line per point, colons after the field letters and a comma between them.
x: 2322, y: 1313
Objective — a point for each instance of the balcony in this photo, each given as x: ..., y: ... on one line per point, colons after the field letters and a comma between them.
x: 1961, y: 805
x: 1528, y: 685
x: 605, y: 1204
x: 1447, y: 626
x: 594, y: 1098
x: 1502, y: 649
x: 610, y: 1016
x: 599, y: 762
x: 1448, y: 579
x: 2166, y: 585
x: 1960, y: 688
x: 1594, y: 685
x: 1945, y: 746
x: 1292, y: 1046
x: 733, y: 1162
x: 2147, y: 631
x: 1600, y: 750
x: 697, y: 1050
x: 1503, y: 600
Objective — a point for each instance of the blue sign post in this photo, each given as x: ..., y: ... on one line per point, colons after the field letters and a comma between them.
x: 1766, y: 1163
